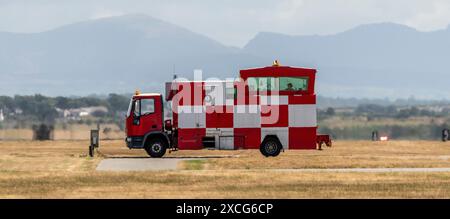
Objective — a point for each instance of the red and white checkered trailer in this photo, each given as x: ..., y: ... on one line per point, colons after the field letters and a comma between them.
x: 271, y: 109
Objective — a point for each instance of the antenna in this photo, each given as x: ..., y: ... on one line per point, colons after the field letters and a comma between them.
x: 173, y: 72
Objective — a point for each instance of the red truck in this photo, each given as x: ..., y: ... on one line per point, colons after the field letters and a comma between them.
x: 271, y: 109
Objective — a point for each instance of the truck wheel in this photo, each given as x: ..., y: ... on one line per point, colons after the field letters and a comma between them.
x: 156, y: 148
x: 270, y: 147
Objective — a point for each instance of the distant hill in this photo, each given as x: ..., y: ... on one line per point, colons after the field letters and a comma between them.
x: 117, y: 54
x: 377, y: 60
x: 120, y: 54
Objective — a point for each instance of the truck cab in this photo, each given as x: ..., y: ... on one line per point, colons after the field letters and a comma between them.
x: 144, y: 121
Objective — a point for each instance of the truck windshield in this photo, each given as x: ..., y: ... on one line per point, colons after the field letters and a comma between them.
x: 129, y: 107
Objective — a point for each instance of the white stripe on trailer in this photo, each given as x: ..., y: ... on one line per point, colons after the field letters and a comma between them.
x: 302, y: 115
x: 247, y: 116
x: 191, y: 117
x: 274, y: 100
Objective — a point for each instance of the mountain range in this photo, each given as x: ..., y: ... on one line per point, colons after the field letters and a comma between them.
x: 124, y: 53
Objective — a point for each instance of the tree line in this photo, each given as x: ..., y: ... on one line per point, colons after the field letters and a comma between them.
x: 44, y: 109
x: 372, y: 111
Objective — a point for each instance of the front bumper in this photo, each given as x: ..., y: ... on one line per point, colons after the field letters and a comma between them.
x: 135, y: 142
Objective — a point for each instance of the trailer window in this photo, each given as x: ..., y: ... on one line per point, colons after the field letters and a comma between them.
x: 213, y: 93
x: 293, y: 83
x: 231, y: 93
x: 219, y: 93
x: 262, y: 83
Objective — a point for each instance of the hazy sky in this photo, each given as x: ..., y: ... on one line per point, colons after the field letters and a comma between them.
x: 232, y: 22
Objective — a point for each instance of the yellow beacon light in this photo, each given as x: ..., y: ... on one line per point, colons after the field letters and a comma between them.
x: 137, y: 92
x: 276, y: 63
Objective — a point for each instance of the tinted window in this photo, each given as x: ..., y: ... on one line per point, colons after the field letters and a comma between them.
x: 293, y: 84
x: 262, y: 83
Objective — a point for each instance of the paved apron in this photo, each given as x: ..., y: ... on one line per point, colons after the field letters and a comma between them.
x: 140, y: 164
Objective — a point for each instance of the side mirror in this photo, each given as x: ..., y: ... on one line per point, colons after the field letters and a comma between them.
x: 136, y: 120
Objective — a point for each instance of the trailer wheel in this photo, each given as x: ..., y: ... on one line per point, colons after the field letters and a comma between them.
x: 156, y: 148
x: 270, y: 147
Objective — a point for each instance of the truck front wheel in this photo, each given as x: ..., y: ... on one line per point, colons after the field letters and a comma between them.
x: 156, y: 148
x: 271, y: 147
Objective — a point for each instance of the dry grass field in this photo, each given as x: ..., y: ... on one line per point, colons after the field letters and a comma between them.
x: 61, y: 169
x: 70, y: 132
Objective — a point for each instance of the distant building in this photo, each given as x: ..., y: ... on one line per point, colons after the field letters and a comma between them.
x: 18, y: 111
x: 78, y: 113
